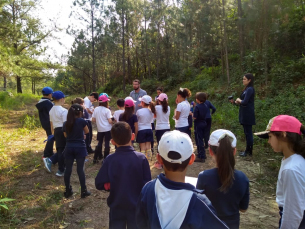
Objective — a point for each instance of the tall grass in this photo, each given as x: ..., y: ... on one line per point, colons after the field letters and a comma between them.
x: 16, y: 102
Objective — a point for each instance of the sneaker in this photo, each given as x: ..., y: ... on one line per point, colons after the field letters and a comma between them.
x: 85, y: 193
x: 202, y: 160
x: 47, y: 164
x: 157, y: 165
x: 60, y: 174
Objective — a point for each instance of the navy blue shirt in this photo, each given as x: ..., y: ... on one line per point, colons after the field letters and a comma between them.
x: 132, y: 120
x: 127, y: 171
x: 76, y: 137
x: 200, y: 112
x: 227, y: 204
x: 210, y: 106
x: 44, y: 106
x: 246, y: 108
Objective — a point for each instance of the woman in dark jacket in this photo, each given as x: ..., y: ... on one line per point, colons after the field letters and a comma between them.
x: 246, y: 111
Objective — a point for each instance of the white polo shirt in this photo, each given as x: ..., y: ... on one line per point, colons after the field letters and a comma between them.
x: 102, y: 114
x: 145, y: 118
x: 58, y: 115
x: 162, y: 118
x: 183, y: 107
x: 89, y: 105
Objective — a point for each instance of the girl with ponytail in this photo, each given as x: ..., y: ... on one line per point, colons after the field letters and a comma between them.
x: 74, y: 130
x: 286, y: 135
x: 226, y: 187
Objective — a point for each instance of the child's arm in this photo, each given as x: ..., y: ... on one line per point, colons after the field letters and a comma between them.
x: 52, y: 129
x: 136, y: 127
x: 141, y: 214
x: 102, y: 177
x: 196, y: 113
x: 244, y: 203
x: 86, y: 129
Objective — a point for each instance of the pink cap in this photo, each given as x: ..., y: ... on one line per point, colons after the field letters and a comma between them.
x: 129, y: 103
x: 162, y: 96
x: 283, y: 123
x: 103, y: 98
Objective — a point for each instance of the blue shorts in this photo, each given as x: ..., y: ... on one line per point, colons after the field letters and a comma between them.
x: 145, y: 136
x: 75, y: 152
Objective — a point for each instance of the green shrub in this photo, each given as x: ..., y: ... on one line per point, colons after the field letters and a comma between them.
x: 15, y: 102
x: 30, y: 121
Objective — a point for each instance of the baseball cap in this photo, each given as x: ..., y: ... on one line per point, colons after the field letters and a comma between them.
x: 58, y: 95
x: 217, y: 135
x: 77, y: 107
x: 162, y: 96
x: 178, y: 142
x: 146, y: 99
x: 130, y: 98
x: 106, y: 95
x: 129, y: 103
x: 284, y: 123
x: 103, y: 98
x: 47, y: 90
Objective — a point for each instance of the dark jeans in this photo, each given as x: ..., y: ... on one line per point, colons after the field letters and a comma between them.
x: 207, y: 132
x: 185, y: 129
x: 48, y: 150
x: 249, y: 135
x: 200, y: 129
x: 152, y: 143
x: 89, y: 136
x: 119, y: 219
x: 80, y: 162
x: 98, y: 151
x: 60, y: 142
x: 159, y: 134
x: 302, y: 224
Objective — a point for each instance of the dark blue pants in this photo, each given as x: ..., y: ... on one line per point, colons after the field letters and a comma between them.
x: 98, y: 151
x: 89, y: 137
x: 302, y: 225
x: 184, y: 130
x: 199, y: 134
x: 48, y: 150
x: 249, y: 135
x: 207, y: 132
x: 152, y: 143
x: 159, y: 134
x: 60, y: 142
x: 80, y: 162
x: 119, y: 219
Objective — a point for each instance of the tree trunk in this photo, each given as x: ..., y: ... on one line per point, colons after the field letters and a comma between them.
x: 225, y: 40
x: 123, y: 42
x: 146, y: 45
x: 241, y: 33
x: 19, y: 88
x: 94, y: 80
x: 158, y: 40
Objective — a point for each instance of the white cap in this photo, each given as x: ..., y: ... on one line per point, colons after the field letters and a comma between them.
x: 146, y: 99
x: 217, y: 135
x: 178, y: 142
x: 130, y: 98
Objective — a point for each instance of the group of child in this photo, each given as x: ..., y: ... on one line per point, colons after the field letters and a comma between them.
x: 136, y: 201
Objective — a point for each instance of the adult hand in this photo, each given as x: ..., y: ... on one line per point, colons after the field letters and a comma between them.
x: 238, y: 101
x: 231, y: 101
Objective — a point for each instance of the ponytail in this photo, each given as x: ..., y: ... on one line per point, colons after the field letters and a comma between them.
x: 225, y: 162
x: 74, y: 112
x: 152, y: 107
x: 184, y: 92
x: 164, y: 104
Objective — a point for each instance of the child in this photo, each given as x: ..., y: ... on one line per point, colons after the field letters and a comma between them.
x: 145, y: 117
x: 208, y: 120
x: 226, y: 188
x: 58, y: 115
x: 285, y: 135
x: 102, y: 116
x: 120, y: 103
x: 124, y: 173
x: 44, y: 106
x: 74, y: 129
x: 200, y: 112
x: 169, y: 202
x: 183, y: 110
x: 129, y: 116
x: 90, y: 108
x: 80, y: 101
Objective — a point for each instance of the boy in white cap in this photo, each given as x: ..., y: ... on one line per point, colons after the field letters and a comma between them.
x: 169, y: 202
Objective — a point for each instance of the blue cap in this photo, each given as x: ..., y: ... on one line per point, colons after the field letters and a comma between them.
x: 58, y: 95
x: 104, y: 94
x: 47, y: 90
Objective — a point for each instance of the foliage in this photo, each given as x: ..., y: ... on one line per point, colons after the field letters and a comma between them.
x: 3, y: 202
x: 15, y: 101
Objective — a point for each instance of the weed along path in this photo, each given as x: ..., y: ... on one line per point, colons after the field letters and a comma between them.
x: 38, y: 195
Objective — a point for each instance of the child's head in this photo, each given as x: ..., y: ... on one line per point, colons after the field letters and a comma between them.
x: 146, y: 101
x: 201, y: 97
x: 58, y: 97
x: 120, y: 103
x: 75, y: 111
x: 93, y: 97
x: 78, y: 100
x: 129, y: 109
x: 159, y: 90
x: 222, y: 145
x: 47, y: 92
x: 103, y: 101
x: 163, y: 101
x: 121, y: 134
x: 175, y: 151
x: 284, y: 132
x: 183, y: 93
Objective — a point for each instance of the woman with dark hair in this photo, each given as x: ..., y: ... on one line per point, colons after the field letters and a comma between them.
x: 246, y: 111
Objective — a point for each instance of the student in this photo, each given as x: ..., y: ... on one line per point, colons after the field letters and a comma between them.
x: 159, y: 91
x: 129, y: 116
x: 88, y: 100
x: 183, y: 110
x: 208, y: 120
x: 169, y: 202
x: 74, y: 129
x: 226, y: 187
x: 103, y: 118
x: 285, y: 136
x: 124, y: 173
x: 200, y: 113
x: 145, y: 134
x: 44, y: 106
x: 58, y: 115
x: 80, y: 101
x: 120, y: 104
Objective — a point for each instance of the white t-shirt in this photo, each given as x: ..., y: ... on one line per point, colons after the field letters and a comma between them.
x: 183, y: 107
x: 89, y: 105
x: 162, y: 118
x: 102, y: 114
x: 58, y: 115
x: 117, y: 114
x: 145, y: 118
x: 290, y: 191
